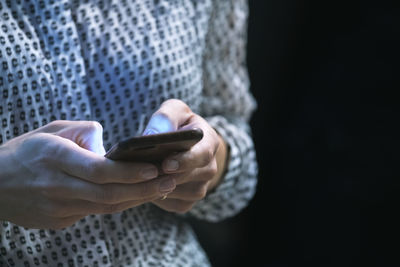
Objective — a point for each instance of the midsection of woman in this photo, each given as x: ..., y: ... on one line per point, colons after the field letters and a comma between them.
x: 114, y: 62
x: 109, y: 61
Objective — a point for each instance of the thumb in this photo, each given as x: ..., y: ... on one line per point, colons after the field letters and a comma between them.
x: 86, y: 134
x: 171, y: 115
x: 159, y: 123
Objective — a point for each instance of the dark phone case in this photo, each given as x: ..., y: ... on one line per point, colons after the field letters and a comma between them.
x: 154, y: 148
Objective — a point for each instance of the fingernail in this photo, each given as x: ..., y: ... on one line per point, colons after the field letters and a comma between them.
x: 167, y: 185
x: 149, y: 173
x: 149, y: 132
x: 171, y: 165
x: 160, y: 124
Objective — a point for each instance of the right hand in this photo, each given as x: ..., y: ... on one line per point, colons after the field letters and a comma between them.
x: 57, y: 174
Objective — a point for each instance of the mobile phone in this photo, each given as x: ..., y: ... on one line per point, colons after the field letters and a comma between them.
x: 155, y: 147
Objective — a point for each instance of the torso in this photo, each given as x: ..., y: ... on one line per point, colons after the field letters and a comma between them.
x: 110, y: 61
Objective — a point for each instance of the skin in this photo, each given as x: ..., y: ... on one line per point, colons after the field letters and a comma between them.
x: 198, y: 170
x: 53, y: 176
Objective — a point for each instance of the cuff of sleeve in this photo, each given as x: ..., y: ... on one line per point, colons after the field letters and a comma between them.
x: 239, y: 182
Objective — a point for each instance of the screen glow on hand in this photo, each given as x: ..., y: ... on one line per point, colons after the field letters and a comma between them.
x: 158, y: 124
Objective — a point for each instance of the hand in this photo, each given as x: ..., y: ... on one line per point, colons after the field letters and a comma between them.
x: 196, y: 171
x: 55, y: 175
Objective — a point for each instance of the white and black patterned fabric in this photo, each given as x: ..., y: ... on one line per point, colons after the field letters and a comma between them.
x: 116, y: 61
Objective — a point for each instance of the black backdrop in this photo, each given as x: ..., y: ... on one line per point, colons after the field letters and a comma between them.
x: 325, y: 75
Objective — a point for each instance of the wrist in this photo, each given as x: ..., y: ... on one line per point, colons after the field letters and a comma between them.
x: 222, y: 157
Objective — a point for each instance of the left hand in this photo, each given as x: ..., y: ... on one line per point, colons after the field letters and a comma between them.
x: 196, y: 171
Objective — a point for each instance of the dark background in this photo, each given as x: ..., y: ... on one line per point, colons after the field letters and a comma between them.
x: 325, y: 75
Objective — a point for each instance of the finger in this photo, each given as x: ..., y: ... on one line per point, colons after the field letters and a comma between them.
x: 200, y: 155
x: 61, y: 223
x: 47, y: 222
x: 174, y: 205
x: 196, y: 175
x: 159, y: 123
x: 117, y: 193
x: 86, y: 134
x: 114, y: 208
x: 193, y: 191
x: 171, y: 115
x: 89, y: 166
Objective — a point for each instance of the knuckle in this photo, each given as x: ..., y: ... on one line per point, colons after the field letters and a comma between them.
x: 95, y: 126
x: 208, y: 156
x: 212, y: 170
x: 55, y: 124
x: 184, y: 207
x: 200, y: 191
x: 177, y: 103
